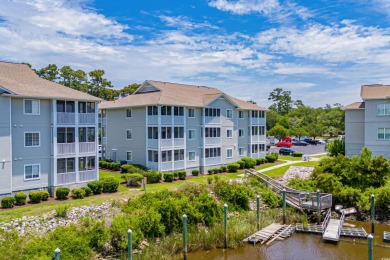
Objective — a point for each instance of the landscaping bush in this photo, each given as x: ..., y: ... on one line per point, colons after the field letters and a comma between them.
x: 35, y: 196
x: 110, y: 184
x: 44, y: 195
x: 233, y: 167
x: 260, y: 161
x: 20, y: 198
x: 182, y: 175
x: 132, y: 179
x: 195, y: 172
x: 210, y: 171
x: 88, y: 191
x: 241, y: 163
x: 223, y: 168
x: 62, y: 193
x: 271, y: 157
x: 175, y: 175
x: 297, y: 154
x: 130, y: 168
x: 237, y: 196
x: 152, y: 176
x: 103, y: 164
x: 78, y: 194
x: 216, y: 170
x: 168, y: 177
x: 115, y: 166
x: 96, y: 187
x: 209, y: 180
x: 7, y: 202
x: 249, y: 162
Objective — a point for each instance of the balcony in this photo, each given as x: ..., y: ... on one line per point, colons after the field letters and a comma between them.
x: 178, y: 142
x: 104, y: 140
x: 66, y: 149
x: 87, y: 147
x: 213, y: 141
x: 153, y: 120
x: 64, y: 118
x: 178, y: 120
x: 166, y: 166
x: 166, y: 143
x: 66, y: 178
x: 212, y: 120
x: 153, y: 143
x: 213, y: 161
x: 257, y: 121
x: 166, y: 120
x: 178, y: 165
x: 104, y: 121
x: 258, y: 138
x: 87, y: 118
x: 88, y: 175
x: 152, y: 165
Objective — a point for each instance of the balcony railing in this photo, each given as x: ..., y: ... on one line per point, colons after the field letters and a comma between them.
x: 166, y: 120
x: 87, y: 175
x: 66, y: 178
x: 178, y: 120
x: 87, y: 118
x: 178, y: 165
x: 177, y: 142
x: 87, y: 147
x: 152, y: 120
x: 213, y: 140
x: 258, y: 138
x: 212, y: 120
x: 152, y: 165
x: 104, y: 140
x: 166, y: 166
x: 257, y: 121
x: 152, y: 143
x: 64, y: 118
x: 65, y: 149
x: 213, y: 161
x: 166, y: 143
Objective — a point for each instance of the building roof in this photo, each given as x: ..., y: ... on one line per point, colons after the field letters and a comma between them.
x: 375, y: 91
x: 354, y: 106
x: 165, y: 93
x: 19, y: 80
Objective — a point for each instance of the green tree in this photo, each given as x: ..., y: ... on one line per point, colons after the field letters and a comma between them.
x: 76, y: 79
x: 272, y: 118
x: 129, y: 89
x: 98, y: 83
x: 282, y: 99
x: 278, y: 131
x: 50, y: 72
x: 335, y: 147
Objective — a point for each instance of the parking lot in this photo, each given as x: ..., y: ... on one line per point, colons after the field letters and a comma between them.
x: 309, y: 149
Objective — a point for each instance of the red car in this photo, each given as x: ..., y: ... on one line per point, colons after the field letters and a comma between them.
x: 283, y: 144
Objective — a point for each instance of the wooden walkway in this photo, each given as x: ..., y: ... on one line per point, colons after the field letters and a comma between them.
x: 332, y: 231
x: 270, y: 233
x: 386, y: 236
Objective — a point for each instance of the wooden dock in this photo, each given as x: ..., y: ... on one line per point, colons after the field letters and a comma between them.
x: 332, y: 230
x: 311, y: 228
x: 386, y: 236
x: 353, y: 232
x: 270, y: 233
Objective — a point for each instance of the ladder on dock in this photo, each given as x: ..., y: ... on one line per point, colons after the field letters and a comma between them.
x: 270, y: 233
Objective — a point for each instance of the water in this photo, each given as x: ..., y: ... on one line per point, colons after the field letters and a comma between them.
x: 306, y: 247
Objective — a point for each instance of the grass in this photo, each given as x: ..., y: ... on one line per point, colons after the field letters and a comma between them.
x: 115, y: 175
x: 279, y: 172
x: 320, y: 156
x: 289, y: 158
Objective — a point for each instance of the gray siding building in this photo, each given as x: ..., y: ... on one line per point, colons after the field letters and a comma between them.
x: 48, y: 133
x: 168, y: 127
x: 367, y: 123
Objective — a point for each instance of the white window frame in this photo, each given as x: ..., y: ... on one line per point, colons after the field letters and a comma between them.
x: 131, y: 133
x: 227, y: 113
x: 227, y: 133
x: 189, y: 114
x: 189, y: 157
x: 131, y: 156
x: 241, y: 115
x: 32, y: 113
x: 384, y: 133
x: 32, y: 132
x: 243, y: 132
x: 131, y: 113
x: 194, y: 137
x: 32, y: 165
x: 239, y: 151
x: 227, y: 153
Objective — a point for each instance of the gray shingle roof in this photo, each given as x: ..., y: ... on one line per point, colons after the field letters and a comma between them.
x: 354, y: 106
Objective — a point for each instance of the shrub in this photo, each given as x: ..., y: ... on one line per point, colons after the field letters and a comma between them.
x: 7, y: 202
x: 78, y: 194
x: 241, y: 163
x: 88, y: 191
x: 216, y: 170
x: 249, y: 162
x: 260, y: 161
x: 210, y: 171
x: 209, y: 180
x: 195, y: 172
x: 237, y: 196
x: 132, y: 179
x: 152, y: 176
x: 62, y: 193
x: 297, y: 154
x: 335, y: 147
x: 62, y: 212
x: 182, y: 175
x: 98, y: 235
x: 20, y: 198
x: 110, y: 184
x: 115, y: 166
x: 103, y: 164
x: 175, y: 175
x: 119, y: 228
x: 35, y: 196
x: 233, y: 167
x: 270, y: 198
x: 96, y: 187
x: 217, y: 178
x: 168, y: 177
x: 220, y: 170
x: 271, y: 157
x: 44, y: 195
x: 130, y: 168
x: 223, y: 168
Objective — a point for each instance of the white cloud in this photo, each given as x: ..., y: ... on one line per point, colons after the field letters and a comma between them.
x: 185, y: 23
x: 295, y: 69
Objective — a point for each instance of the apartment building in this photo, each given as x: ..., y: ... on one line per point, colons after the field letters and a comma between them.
x: 367, y: 123
x: 48, y: 133
x: 168, y: 127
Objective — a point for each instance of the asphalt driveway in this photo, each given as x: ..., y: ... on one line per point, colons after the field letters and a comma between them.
x: 309, y: 149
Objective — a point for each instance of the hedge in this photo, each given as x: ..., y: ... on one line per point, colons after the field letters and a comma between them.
x: 110, y: 184
x: 131, y: 168
x: 241, y: 164
x: 44, y: 195
x: 152, y: 176
x: 182, y: 175
x: 7, y: 202
x: 297, y: 154
x: 216, y: 170
x: 223, y: 168
x: 260, y: 161
x: 249, y: 162
x: 78, y: 193
x: 20, y: 198
x: 168, y: 176
x: 88, y: 191
x: 115, y: 166
x: 132, y: 179
x: 233, y: 167
x: 271, y: 157
x: 195, y: 172
x: 35, y: 196
x: 62, y: 193
x: 210, y: 171
x: 96, y: 187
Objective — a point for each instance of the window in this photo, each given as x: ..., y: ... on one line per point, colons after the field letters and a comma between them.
x: 178, y: 132
x: 241, y: 151
x: 212, y: 132
x: 191, y: 112
x: 166, y: 156
x: 229, y: 153
x: 153, y: 132
x: 262, y: 130
x: 32, y: 172
x: 86, y: 107
x: 166, y: 132
x: 255, y: 130
x: 191, y: 134
x: 240, y: 114
x: 384, y: 133
x: 87, y: 163
x: 87, y: 134
x: 229, y: 113
x: 255, y: 114
x: 213, y: 112
x: 129, y: 134
x: 261, y: 114
x: 229, y: 133
x: 152, y: 156
x: 241, y: 132
x: 383, y: 109
x: 212, y: 152
x: 31, y: 139
x: 178, y: 111
x: 152, y: 111
x: 129, y: 156
x: 65, y: 106
x: 178, y: 155
x: 31, y: 107
x: 262, y: 147
x: 128, y: 113
x: 66, y: 165
x: 191, y: 156
x: 166, y: 110
x: 255, y: 148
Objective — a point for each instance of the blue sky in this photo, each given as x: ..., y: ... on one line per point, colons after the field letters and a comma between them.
x: 322, y: 51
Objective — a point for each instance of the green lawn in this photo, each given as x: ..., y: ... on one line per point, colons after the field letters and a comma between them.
x: 289, y: 158
x: 320, y: 156
x: 116, y: 175
x: 279, y: 172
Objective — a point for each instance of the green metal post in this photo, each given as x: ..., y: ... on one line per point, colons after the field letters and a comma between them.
x: 258, y: 211
x: 57, y: 253
x: 144, y: 183
x: 185, y: 236
x: 129, y: 244
x: 370, y: 247
x: 318, y: 208
x: 284, y: 206
x: 225, y: 213
x: 372, y: 212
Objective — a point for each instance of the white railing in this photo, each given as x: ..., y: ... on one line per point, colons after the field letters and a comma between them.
x: 64, y: 118
x: 178, y: 165
x: 166, y: 120
x: 178, y: 120
x: 152, y: 165
x: 166, y: 166
x: 153, y: 143
x: 104, y: 121
x: 255, y: 155
x: 213, y: 161
x: 178, y: 142
x: 257, y: 121
x: 88, y: 175
x: 104, y: 140
x: 152, y: 120
x: 66, y: 178
x: 258, y: 138
x: 68, y: 148
x: 166, y: 143
x: 213, y: 140
x: 212, y: 120
x: 88, y: 147
x: 87, y: 118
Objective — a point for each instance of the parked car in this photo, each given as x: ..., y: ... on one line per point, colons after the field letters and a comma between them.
x: 320, y: 141
x: 310, y: 141
x: 267, y: 147
x: 299, y: 143
x: 283, y: 144
x: 286, y: 151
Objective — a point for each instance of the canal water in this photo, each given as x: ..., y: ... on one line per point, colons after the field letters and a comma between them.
x: 306, y: 246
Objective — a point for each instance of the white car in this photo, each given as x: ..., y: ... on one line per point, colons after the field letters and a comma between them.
x: 320, y: 141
